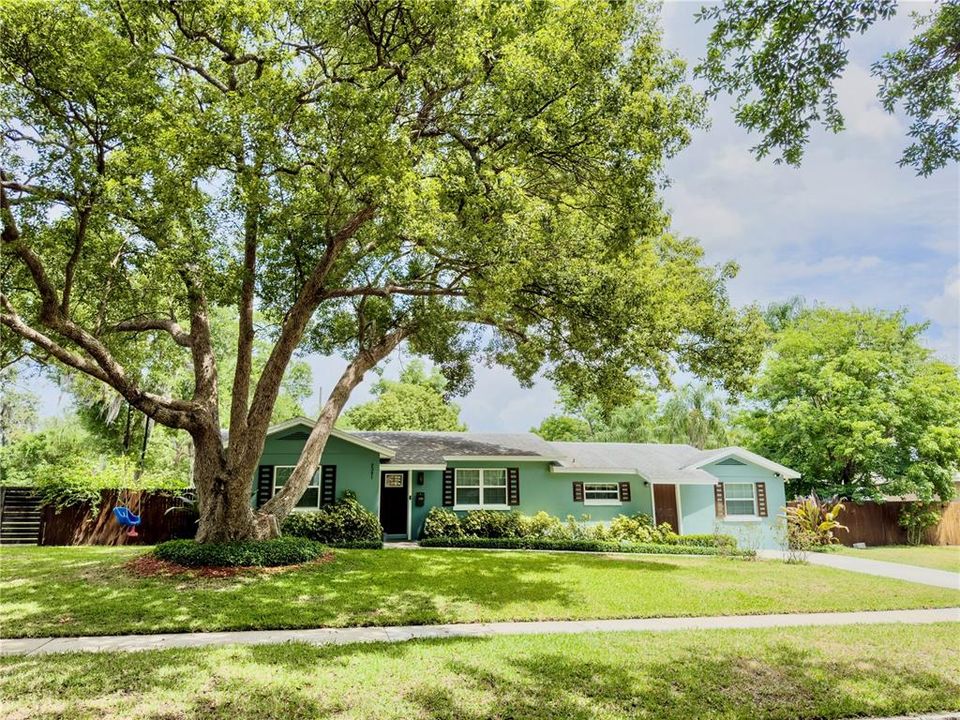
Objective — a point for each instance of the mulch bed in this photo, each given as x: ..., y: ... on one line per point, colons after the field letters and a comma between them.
x: 148, y: 566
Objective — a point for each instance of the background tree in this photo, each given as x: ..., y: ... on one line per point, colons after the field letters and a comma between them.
x: 18, y: 407
x: 414, y: 402
x: 780, y: 60
x: 852, y: 401
x: 694, y: 415
x: 471, y: 181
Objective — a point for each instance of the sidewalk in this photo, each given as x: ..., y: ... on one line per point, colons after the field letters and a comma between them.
x: 882, y: 568
x: 343, y: 636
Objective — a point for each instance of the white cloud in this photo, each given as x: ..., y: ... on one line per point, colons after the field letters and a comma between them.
x: 944, y: 309
x: 862, y: 113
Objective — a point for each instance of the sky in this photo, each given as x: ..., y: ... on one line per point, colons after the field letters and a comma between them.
x: 847, y: 228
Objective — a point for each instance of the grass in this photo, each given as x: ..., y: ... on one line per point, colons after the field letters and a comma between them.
x: 939, y: 557
x: 772, y: 673
x: 66, y: 591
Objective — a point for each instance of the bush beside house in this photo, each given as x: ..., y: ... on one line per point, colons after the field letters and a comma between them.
x: 635, y: 533
x: 345, y: 523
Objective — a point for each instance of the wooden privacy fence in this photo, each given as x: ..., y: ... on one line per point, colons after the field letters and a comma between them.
x: 162, y: 517
x: 878, y: 524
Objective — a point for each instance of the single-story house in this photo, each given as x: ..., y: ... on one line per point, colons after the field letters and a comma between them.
x: 401, y: 475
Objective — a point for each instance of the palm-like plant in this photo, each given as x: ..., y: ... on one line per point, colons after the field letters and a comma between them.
x: 812, y: 522
x: 694, y: 415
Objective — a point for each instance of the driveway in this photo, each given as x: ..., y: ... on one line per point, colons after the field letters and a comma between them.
x: 897, y: 571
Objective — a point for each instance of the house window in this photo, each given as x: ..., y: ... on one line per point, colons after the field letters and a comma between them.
x: 601, y: 494
x: 740, y: 499
x: 480, y: 487
x: 311, y: 496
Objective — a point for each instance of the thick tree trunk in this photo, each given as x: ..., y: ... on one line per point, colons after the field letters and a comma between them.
x: 224, y: 496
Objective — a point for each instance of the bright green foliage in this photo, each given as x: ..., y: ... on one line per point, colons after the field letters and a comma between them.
x: 403, y: 171
x: 563, y: 428
x: 780, y: 59
x: 345, y: 522
x: 441, y: 522
x: 248, y: 553
x: 854, y: 402
x: 414, y: 402
x: 924, y: 78
x: 579, y: 545
x: 916, y: 518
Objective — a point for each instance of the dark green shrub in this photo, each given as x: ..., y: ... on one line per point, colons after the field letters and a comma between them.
x: 706, y: 540
x: 242, y: 553
x: 343, y: 523
x: 441, y: 522
x: 530, y: 543
x: 492, y: 524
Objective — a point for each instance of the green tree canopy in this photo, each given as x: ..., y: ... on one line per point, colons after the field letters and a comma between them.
x: 854, y: 402
x: 471, y: 180
x: 414, y: 402
x: 780, y: 60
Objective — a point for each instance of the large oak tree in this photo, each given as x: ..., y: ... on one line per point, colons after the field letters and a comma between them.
x: 471, y: 179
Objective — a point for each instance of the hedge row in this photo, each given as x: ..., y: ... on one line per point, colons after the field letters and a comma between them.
x: 531, y: 543
x: 244, y: 553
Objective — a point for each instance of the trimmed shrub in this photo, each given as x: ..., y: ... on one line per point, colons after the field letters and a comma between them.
x: 243, y: 553
x: 441, y: 522
x: 542, y: 525
x: 707, y: 540
x: 344, y: 524
x: 492, y: 524
x: 529, y: 543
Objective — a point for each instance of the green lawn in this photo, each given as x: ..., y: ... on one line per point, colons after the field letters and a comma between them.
x: 774, y: 673
x: 941, y: 557
x: 86, y: 590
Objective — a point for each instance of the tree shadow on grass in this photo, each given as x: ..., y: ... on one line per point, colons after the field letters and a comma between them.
x: 472, y: 679
x: 789, y: 683
x: 358, y: 588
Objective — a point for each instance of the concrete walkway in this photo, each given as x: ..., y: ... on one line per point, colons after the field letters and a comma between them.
x: 897, y: 571
x: 343, y: 636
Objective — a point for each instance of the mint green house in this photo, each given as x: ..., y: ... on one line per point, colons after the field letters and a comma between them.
x: 401, y: 475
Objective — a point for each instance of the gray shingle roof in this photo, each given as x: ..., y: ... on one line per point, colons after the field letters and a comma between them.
x: 654, y: 461
x: 430, y: 448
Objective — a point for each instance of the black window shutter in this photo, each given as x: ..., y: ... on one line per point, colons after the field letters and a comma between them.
x: 513, y: 486
x: 624, y: 492
x: 448, y: 487
x: 762, y: 499
x: 328, y: 484
x: 578, y: 492
x: 264, y: 484
x: 718, y: 505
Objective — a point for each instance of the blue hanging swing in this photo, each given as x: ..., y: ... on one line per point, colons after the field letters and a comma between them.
x: 126, y: 518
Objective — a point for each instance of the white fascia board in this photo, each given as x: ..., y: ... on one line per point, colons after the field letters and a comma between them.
x: 382, y: 450
x: 750, y: 457
x: 388, y: 466
x: 594, y: 471
x: 500, y: 458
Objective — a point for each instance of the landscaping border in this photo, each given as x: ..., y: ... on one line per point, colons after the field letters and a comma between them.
x: 597, y: 546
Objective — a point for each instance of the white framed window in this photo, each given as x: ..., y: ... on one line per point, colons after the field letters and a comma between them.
x: 601, y: 494
x: 740, y: 499
x: 311, y: 496
x: 480, y: 488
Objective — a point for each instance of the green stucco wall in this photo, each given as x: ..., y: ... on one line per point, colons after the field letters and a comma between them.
x: 357, y: 467
x: 540, y: 489
x: 698, y: 514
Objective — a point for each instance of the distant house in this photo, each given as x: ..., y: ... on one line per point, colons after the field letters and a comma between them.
x: 401, y: 475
